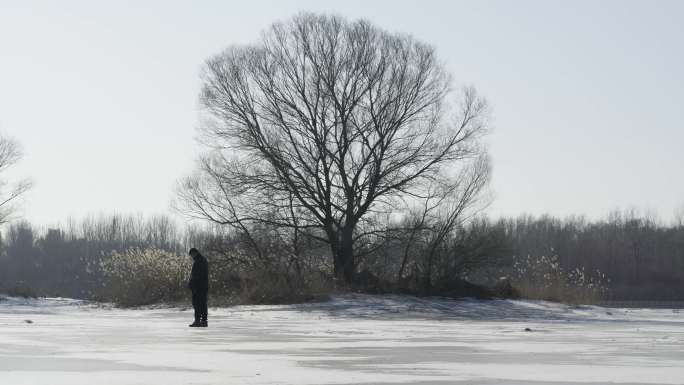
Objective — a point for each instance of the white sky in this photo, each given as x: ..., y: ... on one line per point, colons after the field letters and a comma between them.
x: 588, y: 97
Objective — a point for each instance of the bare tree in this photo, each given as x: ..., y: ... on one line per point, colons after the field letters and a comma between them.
x: 10, y: 154
x: 679, y: 217
x: 324, y: 123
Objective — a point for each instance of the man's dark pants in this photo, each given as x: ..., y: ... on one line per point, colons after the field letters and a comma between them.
x: 199, y: 302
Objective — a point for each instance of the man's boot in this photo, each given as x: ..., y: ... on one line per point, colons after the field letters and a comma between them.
x: 204, y: 323
x: 196, y: 324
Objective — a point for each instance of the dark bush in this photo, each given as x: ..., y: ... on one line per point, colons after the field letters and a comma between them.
x: 22, y: 291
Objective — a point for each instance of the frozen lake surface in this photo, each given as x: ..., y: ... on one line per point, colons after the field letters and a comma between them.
x: 354, y: 339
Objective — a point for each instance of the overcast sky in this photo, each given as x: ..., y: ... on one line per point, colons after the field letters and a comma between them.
x: 588, y: 97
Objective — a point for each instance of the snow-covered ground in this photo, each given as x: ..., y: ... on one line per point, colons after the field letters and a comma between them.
x: 350, y: 340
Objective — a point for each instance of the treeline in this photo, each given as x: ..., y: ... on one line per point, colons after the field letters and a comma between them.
x: 642, y: 256
x: 134, y: 260
x: 65, y: 261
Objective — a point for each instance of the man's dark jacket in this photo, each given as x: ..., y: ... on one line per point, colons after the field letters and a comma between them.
x: 199, y: 276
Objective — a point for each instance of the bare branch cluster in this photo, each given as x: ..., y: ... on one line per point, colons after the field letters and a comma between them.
x: 10, y: 154
x: 324, y: 123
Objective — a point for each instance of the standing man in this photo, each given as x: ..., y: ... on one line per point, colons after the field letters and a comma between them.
x: 199, y: 284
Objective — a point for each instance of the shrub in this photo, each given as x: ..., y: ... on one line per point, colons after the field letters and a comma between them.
x: 22, y: 291
x: 269, y: 285
x: 137, y: 277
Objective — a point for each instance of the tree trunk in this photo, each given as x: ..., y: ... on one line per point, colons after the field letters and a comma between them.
x: 343, y: 254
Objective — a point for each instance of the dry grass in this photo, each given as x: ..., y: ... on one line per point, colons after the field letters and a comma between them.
x: 139, y: 277
x: 543, y: 278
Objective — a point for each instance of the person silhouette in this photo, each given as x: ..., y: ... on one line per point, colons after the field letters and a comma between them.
x: 199, y: 284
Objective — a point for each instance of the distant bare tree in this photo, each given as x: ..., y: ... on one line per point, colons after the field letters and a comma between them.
x: 679, y: 217
x: 10, y: 153
x: 448, y: 205
x: 324, y: 124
